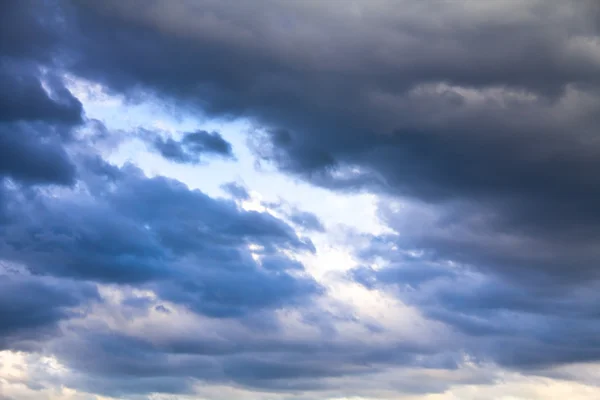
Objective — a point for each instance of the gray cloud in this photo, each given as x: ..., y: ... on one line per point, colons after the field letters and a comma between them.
x: 37, y: 111
x: 191, y: 148
x: 449, y: 123
x: 119, y: 365
x: 301, y: 218
x: 307, y: 220
x: 37, y: 114
x: 31, y: 307
x: 486, y: 116
x: 236, y: 190
x: 33, y: 153
x: 137, y: 232
x: 516, y: 322
x: 25, y: 99
x: 156, y: 229
x: 499, y: 144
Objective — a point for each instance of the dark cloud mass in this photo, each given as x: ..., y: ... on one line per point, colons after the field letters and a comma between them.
x: 31, y: 307
x: 475, y: 122
x: 37, y: 111
x: 27, y: 154
x: 24, y: 97
x: 413, y: 104
x: 37, y: 114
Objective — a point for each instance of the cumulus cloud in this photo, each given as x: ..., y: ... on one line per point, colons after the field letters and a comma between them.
x: 134, y: 229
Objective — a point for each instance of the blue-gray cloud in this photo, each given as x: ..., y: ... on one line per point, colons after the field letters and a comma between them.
x: 34, y: 153
x: 31, y: 308
x: 307, y: 220
x: 303, y: 219
x: 35, y: 123
x: 449, y: 125
x: 509, y: 321
x: 192, y: 148
x: 37, y: 111
x: 499, y: 145
x: 139, y: 230
x: 236, y: 190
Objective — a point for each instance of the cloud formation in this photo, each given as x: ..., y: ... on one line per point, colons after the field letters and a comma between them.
x: 28, y: 319
x: 191, y: 147
x: 475, y: 125
x: 133, y: 229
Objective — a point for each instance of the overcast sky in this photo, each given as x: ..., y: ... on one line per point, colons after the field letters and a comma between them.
x: 299, y: 200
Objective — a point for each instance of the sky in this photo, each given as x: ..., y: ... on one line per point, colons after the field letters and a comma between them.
x: 299, y: 200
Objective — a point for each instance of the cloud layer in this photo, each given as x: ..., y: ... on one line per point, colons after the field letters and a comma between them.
x: 475, y: 125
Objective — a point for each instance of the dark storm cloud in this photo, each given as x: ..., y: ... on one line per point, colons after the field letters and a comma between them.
x: 22, y: 96
x: 35, y: 124
x: 431, y: 114
x: 192, y: 147
x: 31, y: 307
x: 30, y: 29
x: 26, y: 155
x: 486, y: 115
x: 37, y: 111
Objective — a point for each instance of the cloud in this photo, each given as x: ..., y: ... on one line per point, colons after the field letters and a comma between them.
x: 133, y: 229
x: 307, y: 220
x: 450, y: 124
x: 510, y: 320
x: 476, y: 125
x: 26, y: 98
x: 176, y: 351
x: 498, y: 147
x: 191, y: 147
x: 28, y: 36
x: 119, y: 228
x: 28, y: 319
x: 37, y: 111
x: 236, y: 190
x: 29, y: 157
x: 302, y: 219
x: 36, y: 120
